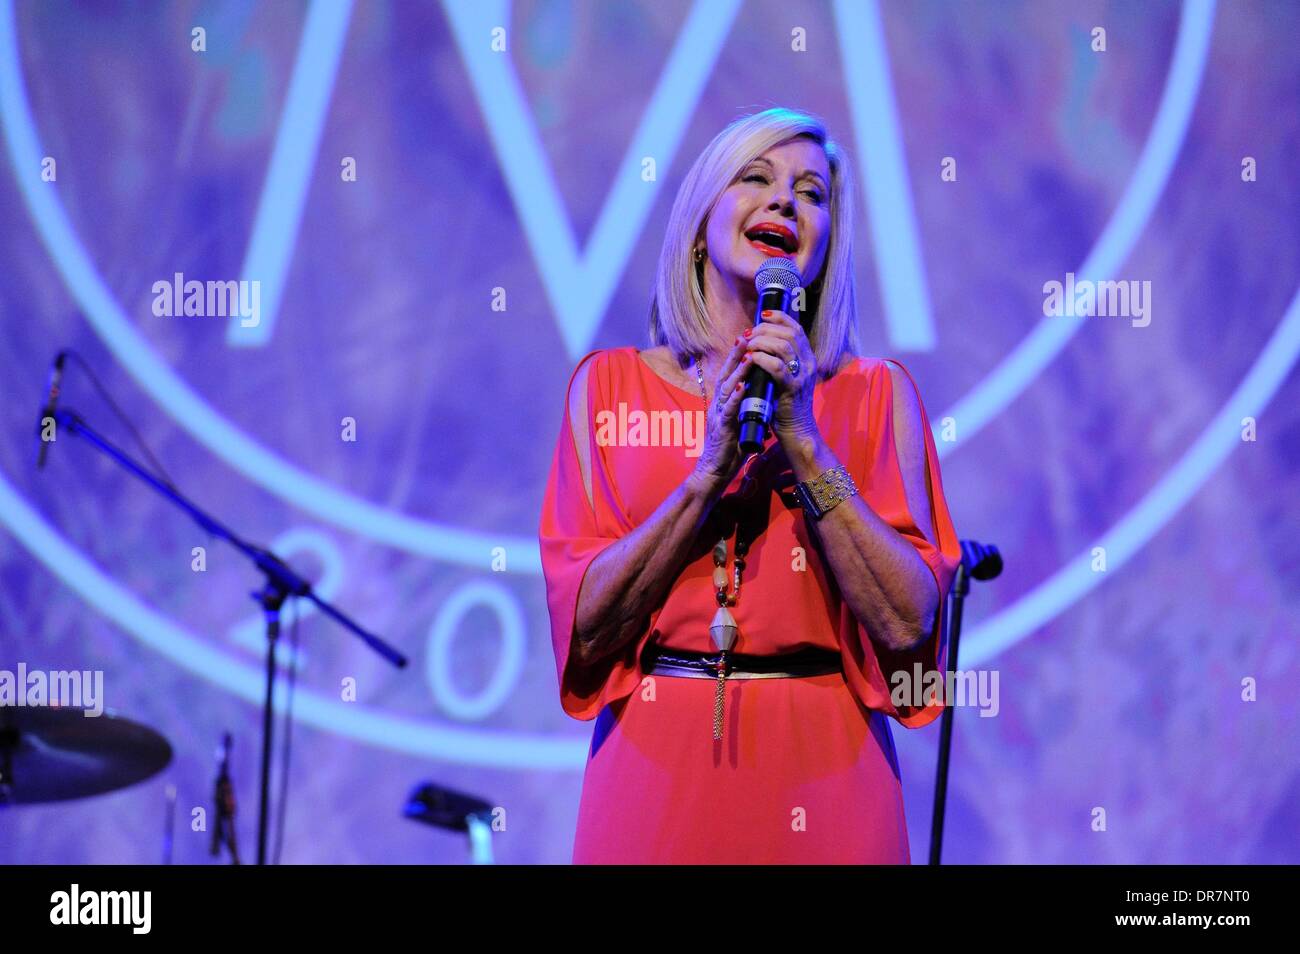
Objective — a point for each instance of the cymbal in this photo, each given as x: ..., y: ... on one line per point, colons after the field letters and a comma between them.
x: 53, y: 754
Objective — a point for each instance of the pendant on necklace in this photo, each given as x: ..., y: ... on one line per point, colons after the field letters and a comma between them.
x: 723, y: 630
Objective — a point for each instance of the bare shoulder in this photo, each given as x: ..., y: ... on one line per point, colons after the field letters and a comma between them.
x: 601, y: 358
x: 578, y: 382
x: 872, y: 366
x: 910, y: 445
x: 908, y: 418
x: 904, y: 389
x: 579, y: 413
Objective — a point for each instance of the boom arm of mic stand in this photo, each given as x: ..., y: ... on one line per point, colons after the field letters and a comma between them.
x: 281, y: 582
x: 278, y: 573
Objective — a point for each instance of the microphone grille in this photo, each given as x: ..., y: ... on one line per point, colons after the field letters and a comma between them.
x: 777, y: 271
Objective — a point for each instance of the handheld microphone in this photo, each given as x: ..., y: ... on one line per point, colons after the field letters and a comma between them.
x: 776, y: 281
x: 47, y: 413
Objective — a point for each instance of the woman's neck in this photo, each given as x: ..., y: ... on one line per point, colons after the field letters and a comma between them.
x: 731, y: 313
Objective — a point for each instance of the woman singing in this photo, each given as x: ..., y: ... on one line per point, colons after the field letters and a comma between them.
x: 743, y: 629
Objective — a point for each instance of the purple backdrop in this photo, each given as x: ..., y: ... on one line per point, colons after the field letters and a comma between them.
x: 435, y: 292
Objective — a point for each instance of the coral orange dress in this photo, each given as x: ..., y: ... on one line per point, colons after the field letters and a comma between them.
x: 806, y: 770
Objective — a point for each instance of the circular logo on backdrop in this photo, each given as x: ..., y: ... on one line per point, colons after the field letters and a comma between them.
x: 584, y: 281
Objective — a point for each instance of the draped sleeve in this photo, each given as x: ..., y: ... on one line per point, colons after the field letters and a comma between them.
x: 869, y: 667
x: 574, y: 530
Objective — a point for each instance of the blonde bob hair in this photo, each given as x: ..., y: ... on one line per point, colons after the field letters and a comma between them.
x: 679, y: 317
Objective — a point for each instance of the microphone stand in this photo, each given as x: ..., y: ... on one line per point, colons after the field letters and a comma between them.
x: 281, y: 583
x: 224, y: 834
x: 983, y: 562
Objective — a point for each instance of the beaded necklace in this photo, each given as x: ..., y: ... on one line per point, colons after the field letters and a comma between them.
x: 723, y: 629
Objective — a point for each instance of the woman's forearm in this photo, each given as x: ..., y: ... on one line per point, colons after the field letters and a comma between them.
x: 631, y: 577
x: 885, y: 582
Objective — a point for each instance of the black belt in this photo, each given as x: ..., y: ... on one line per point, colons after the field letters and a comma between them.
x: 811, y: 661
